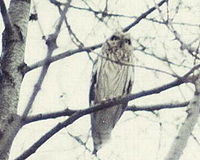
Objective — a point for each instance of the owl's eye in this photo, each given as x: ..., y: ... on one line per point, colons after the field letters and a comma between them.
x: 128, y: 41
x: 114, y: 38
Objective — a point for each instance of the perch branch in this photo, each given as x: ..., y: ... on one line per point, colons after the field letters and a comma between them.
x: 97, y: 107
x: 69, y: 112
x: 184, y: 79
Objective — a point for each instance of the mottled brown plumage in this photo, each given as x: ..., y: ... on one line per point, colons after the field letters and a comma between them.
x: 112, y: 76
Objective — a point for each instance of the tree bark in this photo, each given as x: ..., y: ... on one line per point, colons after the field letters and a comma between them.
x: 187, y: 127
x: 12, y: 61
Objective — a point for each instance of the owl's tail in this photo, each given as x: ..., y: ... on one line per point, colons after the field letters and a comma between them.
x: 100, y: 138
x: 103, y: 123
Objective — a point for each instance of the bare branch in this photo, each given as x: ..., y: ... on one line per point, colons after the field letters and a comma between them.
x: 157, y: 107
x: 38, y: 21
x: 69, y: 112
x: 192, y: 50
x: 144, y: 15
x: 97, y: 107
x: 6, y: 17
x: 128, y: 16
x: 64, y: 55
x: 138, y: 66
x: 80, y: 141
x: 91, y: 48
x: 81, y: 113
x: 118, y: 100
x: 51, y: 44
x: 65, y: 112
x: 60, y: 126
x: 144, y: 50
x: 195, y: 138
x: 84, y: 144
x: 57, y: 3
x: 102, y: 12
x: 184, y: 46
x: 62, y: 18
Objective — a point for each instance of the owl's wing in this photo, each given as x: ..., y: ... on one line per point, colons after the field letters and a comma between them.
x: 93, y: 83
x: 128, y: 86
x: 127, y: 90
x: 104, y: 121
x: 130, y: 79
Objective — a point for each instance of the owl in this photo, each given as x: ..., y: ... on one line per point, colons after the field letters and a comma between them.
x: 112, y: 76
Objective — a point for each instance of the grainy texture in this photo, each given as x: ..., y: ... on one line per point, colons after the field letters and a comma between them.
x: 110, y: 79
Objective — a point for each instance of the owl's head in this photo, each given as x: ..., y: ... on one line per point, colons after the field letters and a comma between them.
x: 120, y: 40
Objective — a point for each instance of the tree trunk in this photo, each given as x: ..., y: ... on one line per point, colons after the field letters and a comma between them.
x: 187, y: 127
x: 10, y: 81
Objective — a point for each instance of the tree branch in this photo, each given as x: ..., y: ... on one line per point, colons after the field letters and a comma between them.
x: 76, y: 115
x: 63, y: 55
x: 5, y: 16
x: 144, y: 15
x: 91, y: 48
x: 69, y: 112
x: 51, y: 44
x: 80, y: 141
x: 191, y: 50
x: 157, y: 107
x: 102, y: 105
x: 62, y: 125
x: 65, y: 112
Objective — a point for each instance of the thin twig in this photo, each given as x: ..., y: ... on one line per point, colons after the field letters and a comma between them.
x: 80, y: 141
x: 180, y: 80
x: 51, y: 44
x: 133, y: 65
x: 67, y: 112
x: 144, y: 15
x: 91, y: 48
x: 157, y: 107
x: 64, y: 55
x: 128, y: 16
x: 38, y: 21
x: 6, y: 17
x: 184, y: 46
x: 97, y: 107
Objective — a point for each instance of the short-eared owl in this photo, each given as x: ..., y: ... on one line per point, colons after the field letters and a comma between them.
x: 112, y: 76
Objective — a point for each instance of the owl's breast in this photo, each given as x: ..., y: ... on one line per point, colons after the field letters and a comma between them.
x: 112, y: 79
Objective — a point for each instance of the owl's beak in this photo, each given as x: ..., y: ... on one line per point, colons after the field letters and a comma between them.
x: 121, y: 43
